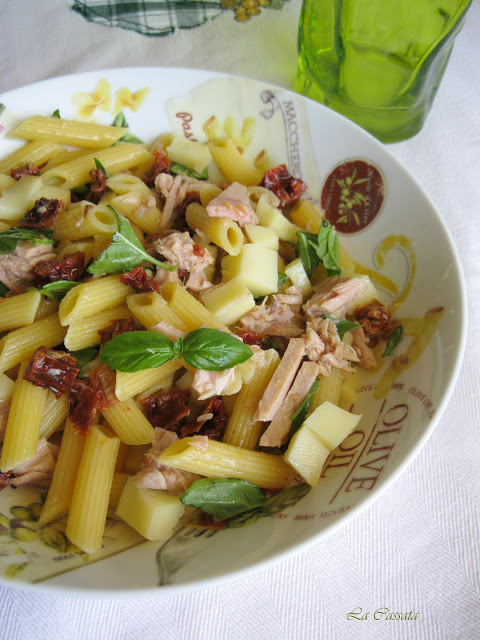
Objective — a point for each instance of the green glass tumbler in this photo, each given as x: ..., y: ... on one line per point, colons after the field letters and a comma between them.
x: 377, y: 62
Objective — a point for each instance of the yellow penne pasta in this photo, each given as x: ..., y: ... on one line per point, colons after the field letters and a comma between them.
x: 232, y: 164
x: 129, y: 423
x: 114, y: 159
x: 6, y: 182
x: 60, y: 493
x: 88, y: 509
x: 83, y: 220
x: 84, y: 332
x: 46, y: 308
x: 306, y: 216
x: 262, y: 162
x: 150, y: 309
x: 54, y: 415
x: 124, y: 183
x: 188, y: 309
x: 64, y: 156
x: 129, y: 384
x: 86, y: 246
x: 242, y: 430
x: 221, y: 231
x: 118, y: 482
x: 208, y: 192
x: 6, y: 387
x: 221, y: 460
x: 140, y: 208
x: 328, y: 390
x: 71, y: 132
x: 36, y: 152
x: 19, y: 345
x: 23, y: 425
x: 92, y: 297
x: 20, y: 310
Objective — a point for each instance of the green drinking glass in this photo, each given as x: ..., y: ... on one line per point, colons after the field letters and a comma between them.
x: 377, y: 62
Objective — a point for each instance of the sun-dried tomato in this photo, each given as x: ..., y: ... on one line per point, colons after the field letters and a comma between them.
x: 4, y: 478
x: 42, y: 215
x: 69, y: 268
x: 214, y: 427
x: 98, y: 185
x: 375, y: 319
x: 167, y: 410
x: 87, y: 397
x: 139, y: 280
x: 161, y: 164
x: 116, y: 328
x: 287, y: 188
x: 54, y: 370
x: 28, y: 170
x: 252, y: 338
x: 192, y: 196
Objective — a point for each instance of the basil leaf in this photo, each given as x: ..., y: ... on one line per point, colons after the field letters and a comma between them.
x: 177, y: 168
x: 328, y: 249
x: 282, y: 278
x: 343, y: 326
x: 9, y: 238
x: 277, y: 502
x: 99, y: 165
x: 81, y: 191
x: 56, y: 114
x: 84, y: 356
x: 213, y: 350
x: 124, y: 253
x: 137, y: 350
x: 306, y: 249
x: 58, y: 289
x: 3, y: 290
x: 298, y: 417
x: 394, y: 339
x: 223, y: 498
x: 120, y: 120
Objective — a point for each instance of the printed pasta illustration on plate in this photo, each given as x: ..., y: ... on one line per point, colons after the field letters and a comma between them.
x: 182, y: 334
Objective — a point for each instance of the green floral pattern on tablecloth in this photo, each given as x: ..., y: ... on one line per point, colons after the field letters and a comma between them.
x: 161, y: 18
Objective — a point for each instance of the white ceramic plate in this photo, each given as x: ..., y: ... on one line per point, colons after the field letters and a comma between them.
x: 396, y: 233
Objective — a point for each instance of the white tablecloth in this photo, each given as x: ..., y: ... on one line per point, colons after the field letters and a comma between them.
x: 417, y: 547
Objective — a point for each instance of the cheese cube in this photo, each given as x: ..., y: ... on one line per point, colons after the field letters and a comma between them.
x: 273, y: 218
x: 192, y: 155
x: 263, y: 236
x: 17, y: 200
x: 331, y: 424
x: 152, y: 513
x: 256, y: 265
x: 295, y: 271
x: 230, y: 301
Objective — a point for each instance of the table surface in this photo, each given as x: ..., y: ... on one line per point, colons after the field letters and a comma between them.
x: 416, y: 548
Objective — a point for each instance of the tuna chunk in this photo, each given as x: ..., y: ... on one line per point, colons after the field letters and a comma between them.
x: 16, y: 267
x: 332, y: 296
x: 282, y: 317
x: 233, y: 203
x: 323, y: 346
x: 277, y: 432
x: 179, y: 249
x: 367, y: 356
x: 211, y: 383
x: 281, y: 381
x: 38, y: 470
x: 174, y: 190
x: 168, y: 330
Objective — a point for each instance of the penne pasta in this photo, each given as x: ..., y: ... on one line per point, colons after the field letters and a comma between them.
x: 129, y: 423
x: 54, y: 415
x: 92, y: 297
x: 17, y: 311
x: 150, y: 309
x: 188, y: 309
x: 84, y: 332
x: 37, y: 152
x: 221, y: 231
x: 232, y: 164
x: 83, y: 220
x: 129, y: 384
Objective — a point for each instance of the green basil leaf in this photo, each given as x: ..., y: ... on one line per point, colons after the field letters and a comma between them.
x: 99, y: 165
x: 298, y: 417
x: 328, y: 249
x: 277, y: 502
x: 223, y: 498
x: 137, y: 350
x: 120, y: 120
x: 128, y: 137
x: 84, y: 356
x: 307, y: 252
x: 394, y: 339
x: 282, y: 278
x: 213, y: 350
x: 81, y: 191
x: 343, y: 326
x: 124, y: 253
x: 3, y: 290
x: 178, y: 168
x: 9, y: 238
x: 56, y: 114
x: 58, y: 289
